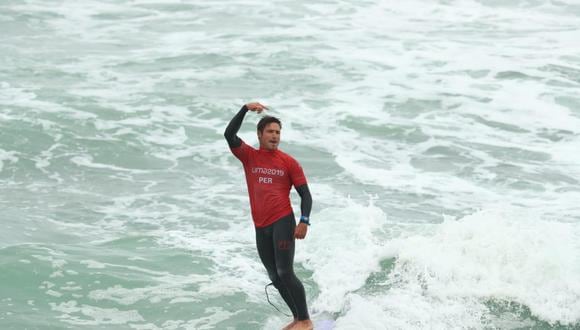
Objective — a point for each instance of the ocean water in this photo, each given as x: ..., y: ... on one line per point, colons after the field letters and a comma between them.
x: 440, y: 139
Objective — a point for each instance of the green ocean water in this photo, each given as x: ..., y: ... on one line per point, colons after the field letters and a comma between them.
x: 439, y: 140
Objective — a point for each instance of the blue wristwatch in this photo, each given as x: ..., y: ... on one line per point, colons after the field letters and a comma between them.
x: 305, y: 219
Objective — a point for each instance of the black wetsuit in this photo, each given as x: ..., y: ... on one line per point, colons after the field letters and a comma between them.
x: 275, y: 242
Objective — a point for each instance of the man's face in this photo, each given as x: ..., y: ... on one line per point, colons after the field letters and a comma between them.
x: 270, y: 137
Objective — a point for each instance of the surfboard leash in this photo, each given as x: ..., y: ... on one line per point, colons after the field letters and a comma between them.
x: 268, y: 297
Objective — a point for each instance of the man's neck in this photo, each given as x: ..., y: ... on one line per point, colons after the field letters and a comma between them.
x: 267, y: 150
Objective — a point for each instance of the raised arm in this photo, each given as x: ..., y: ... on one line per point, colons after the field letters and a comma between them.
x: 234, y: 126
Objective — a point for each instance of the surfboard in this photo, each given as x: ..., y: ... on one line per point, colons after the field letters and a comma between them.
x: 326, y: 324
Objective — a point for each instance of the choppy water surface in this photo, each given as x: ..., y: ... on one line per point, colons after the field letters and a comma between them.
x: 440, y: 140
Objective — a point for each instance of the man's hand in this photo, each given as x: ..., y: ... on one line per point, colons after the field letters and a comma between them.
x: 300, y: 231
x: 257, y: 107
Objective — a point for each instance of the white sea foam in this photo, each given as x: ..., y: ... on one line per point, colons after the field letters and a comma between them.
x: 171, y: 291
x: 176, y: 137
x: 342, y: 250
x: 237, y: 268
x: 446, y: 278
x: 27, y: 98
x: 87, y: 161
x: 7, y: 156
x: 215, y: 316
x: 93, y: 264
x: 82, y: 314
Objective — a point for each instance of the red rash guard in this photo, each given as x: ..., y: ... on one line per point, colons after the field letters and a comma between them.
x: 269, y: 175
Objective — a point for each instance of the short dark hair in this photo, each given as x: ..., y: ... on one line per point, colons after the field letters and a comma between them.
x: 267, y: 120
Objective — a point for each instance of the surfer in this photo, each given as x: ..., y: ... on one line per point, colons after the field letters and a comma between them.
x: 270, y: 173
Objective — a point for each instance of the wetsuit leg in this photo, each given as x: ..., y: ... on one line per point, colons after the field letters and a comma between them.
x: 283, y: 234
x: 265, y: 244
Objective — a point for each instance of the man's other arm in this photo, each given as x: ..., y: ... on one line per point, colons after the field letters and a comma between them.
x: 306, y: 200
